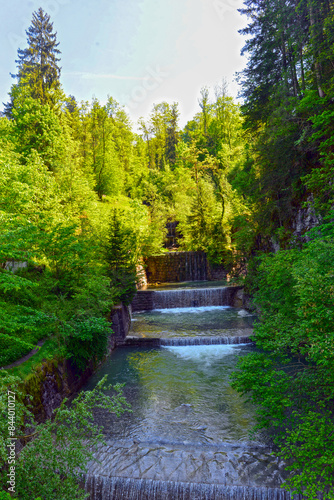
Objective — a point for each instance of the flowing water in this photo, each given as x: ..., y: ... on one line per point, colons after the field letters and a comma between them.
x: 188, y: 435
x: 194, y: 322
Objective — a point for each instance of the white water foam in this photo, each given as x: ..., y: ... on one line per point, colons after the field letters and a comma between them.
x: 192, y: 310
x: 206, y: 354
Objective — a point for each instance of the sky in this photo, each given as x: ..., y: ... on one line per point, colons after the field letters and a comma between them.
x: 140, y: 52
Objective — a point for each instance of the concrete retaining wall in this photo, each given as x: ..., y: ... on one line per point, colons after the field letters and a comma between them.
x: 120, y: 319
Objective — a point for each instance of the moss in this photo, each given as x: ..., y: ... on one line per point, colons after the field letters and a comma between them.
x: 32, y: 386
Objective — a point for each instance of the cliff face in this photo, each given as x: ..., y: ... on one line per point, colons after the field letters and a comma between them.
x: 53, y: 381
x: 304, y: 220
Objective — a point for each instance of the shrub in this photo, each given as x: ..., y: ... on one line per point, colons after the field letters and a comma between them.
x: 57, y: 451
x: 11, y: 349
x: 86, y: 339
x: 293, y: 381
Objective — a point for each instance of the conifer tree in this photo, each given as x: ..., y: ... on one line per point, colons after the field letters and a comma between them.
x: 121, y: 256
x: 38, y: 63
x: 172, y: 134
x: 40, y: 60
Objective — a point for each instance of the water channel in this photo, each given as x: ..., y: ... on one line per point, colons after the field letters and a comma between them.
x: 188, y: 435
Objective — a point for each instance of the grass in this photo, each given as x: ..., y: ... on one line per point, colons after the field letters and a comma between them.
x: 47, y: 351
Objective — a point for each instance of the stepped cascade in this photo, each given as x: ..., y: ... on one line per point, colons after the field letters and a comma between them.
x: 103, y: 487
x: 205, y: 341
x: 188, y: 435
x: 197, y: 297
x: 185, y: 296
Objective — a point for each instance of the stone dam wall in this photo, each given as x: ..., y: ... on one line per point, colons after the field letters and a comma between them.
x: 174, y: 267
x: 120, y: 319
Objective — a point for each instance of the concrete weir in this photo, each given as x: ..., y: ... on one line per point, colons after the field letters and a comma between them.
x: 187, y: 437
x: 146, y: 300
x: 103, y: 488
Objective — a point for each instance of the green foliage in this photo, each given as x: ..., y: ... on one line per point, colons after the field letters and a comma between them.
x: 203, y: 228
x: 122, y: 257
x: 293, y: 381
x: 93, y: 297
x: 12, y: 348
x: 5, y: 495
x: 37, y: 301
x: 85, y: 340
x: 37, y: 128
x: 9, y: 383
x: 161, y: 135
x: 38, y: 63
x: 288, y: 115
x: 83, y: 198
x: 320, y: 136
x: 66, y: 253
x: 206, y: 223
x: 57, y: 451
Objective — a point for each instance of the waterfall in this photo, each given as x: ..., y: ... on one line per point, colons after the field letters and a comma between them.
x: 204, y: 341
x: 180, y: 445
x: 195, y: 266
x: 191, y: 297
x: 117, y: 488
x: 183, y: 341
x: 174, y: 267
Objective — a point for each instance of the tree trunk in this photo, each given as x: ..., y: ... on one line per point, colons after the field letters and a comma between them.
x: 317, y: 68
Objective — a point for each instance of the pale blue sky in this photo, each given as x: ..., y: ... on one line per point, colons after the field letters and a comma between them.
x: 138, y: 51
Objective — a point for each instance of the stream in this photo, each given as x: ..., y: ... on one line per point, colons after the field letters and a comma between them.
x: 188, y: 434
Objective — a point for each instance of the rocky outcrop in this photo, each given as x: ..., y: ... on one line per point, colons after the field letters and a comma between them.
x: 304, y: 220
x: 53, y: 381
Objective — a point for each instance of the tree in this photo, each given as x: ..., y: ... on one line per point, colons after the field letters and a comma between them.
x: 291, y: 377
x: 172, y: 134
x: 288, y: 111
x: 204, y: 105
x: 38, y: 63
x: 161, y: 135
x: 121, y: 256
x: 55, y: 452
x: 205, y: 226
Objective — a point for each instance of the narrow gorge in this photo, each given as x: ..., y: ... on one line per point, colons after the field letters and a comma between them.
x: 188, y: 435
